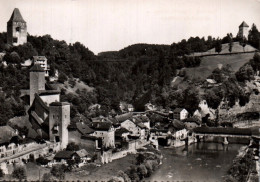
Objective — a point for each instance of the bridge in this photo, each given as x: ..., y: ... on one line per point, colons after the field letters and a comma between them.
x: 223, y: 132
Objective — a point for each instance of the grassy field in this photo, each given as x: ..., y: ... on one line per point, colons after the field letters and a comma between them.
x: 209, y: 63
x: 103, y: 173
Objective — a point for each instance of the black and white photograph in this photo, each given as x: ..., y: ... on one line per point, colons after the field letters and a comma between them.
x: 130, y: 90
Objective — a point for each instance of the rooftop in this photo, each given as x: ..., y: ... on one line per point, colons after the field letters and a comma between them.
x: 36, y: 68
x: 101, y: 126
x: 16, y: 16
x: 243, y: 24
x: 59, y: 104
x: 64, y: 154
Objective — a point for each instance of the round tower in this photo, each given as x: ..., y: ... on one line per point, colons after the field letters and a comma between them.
x: 37, y: 81
x: 16, y: 29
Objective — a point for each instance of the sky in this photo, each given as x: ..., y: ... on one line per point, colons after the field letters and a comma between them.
x: 108, y: 25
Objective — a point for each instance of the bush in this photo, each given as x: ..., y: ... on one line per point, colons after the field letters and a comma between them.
x: 142, y: 171
x: 58, y: 171
x: 1, y: 173
x: 42, y: 161
x: 19, y: 173
x: 124, y: 176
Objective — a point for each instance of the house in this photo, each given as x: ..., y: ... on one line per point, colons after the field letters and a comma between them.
x: 150, y: 107
x: 191, y: 123
x: 178, y: 130
x: 180, y: 113
x: 64, y: 155
x: 131, y: 126
x: 122, y: 133
x: 121, y: 137
x: 83, y: 155
x: 106, y: 131
x: 84, y: 129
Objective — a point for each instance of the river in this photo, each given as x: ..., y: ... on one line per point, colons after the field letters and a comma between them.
x: 207, y: 162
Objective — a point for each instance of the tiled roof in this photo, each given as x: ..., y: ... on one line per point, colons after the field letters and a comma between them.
x: 82, y: 153
x: 243, y: 24
x: 192, y: 120
x: 84, y: 128
x: 121, y: 118
x: 37, y: 68
x: 141, y: 125
x: 101, y: 126
x: 16, y: 16
x: 178, y: 125
x: 120, y: 131
x: 6, y: 133
x: 64, y: 154
x: 178, y: 110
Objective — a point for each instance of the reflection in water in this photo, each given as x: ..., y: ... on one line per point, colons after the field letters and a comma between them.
x: 197, y: 162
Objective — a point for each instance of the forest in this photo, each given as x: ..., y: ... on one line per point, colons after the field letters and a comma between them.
x: 136, y: 74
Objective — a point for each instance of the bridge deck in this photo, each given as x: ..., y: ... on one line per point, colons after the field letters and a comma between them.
x: 223, y: 131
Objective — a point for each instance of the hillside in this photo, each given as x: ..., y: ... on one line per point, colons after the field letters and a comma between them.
x: 236, y: 48
x: 209, y: 63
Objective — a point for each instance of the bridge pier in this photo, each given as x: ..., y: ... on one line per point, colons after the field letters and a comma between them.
x: 225, y: 142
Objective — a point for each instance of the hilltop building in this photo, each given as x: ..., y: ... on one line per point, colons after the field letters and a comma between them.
x: 16, y: 29
x: 42, y: 61
x: 49, y: 117
x: 243, y: 30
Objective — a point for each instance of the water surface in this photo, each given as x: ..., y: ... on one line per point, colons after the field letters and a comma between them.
x: 207, y: 162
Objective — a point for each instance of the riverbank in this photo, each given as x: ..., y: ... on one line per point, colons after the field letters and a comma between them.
x: 244, y: 167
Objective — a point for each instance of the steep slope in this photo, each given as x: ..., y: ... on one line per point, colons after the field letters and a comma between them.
x: 209, y: 63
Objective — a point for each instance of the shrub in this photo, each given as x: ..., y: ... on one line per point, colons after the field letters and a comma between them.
x: 1, y: 173
x: 142, y: 171
x: 124, y: 176
x: 42, y: 161
x: 58, y: 171
x: 19, y: 173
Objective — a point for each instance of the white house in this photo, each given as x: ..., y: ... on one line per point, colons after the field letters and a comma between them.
x: 180, y: 113
x: 106, y: 131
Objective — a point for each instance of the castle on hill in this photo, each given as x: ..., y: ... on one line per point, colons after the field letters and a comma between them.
x: 49, y: 117
x: 16, y: 29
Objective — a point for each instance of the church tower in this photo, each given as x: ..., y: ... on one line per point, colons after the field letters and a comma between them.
x: 16, y: 29
x: 243, y: 30
x: 37, y: 81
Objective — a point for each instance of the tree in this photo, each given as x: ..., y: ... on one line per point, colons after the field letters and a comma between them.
x: 58, y: 171
x: 1, y: 173
x: 243, y: 43
x: 19, y: 173
x: 48, y: 177
x: 62, y: 77
x: 230, y: 42
x: 72, y: 147
x: 140, y: 159
x: 254, y: 37
x: 218, y: 46
x: 42, y: 161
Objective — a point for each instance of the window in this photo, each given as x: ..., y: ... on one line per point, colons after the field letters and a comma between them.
x: 17, y: 29
x: 15, y: 40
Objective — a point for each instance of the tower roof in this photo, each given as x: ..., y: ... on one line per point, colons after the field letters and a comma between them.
x: 243, y: 24
x: 36, y: 68
x: 16, y: 16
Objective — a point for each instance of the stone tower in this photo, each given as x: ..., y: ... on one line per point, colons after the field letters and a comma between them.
x: 16, y: 29
x: 37, y: 81
x: 59, y: 120
x: 243, y: 30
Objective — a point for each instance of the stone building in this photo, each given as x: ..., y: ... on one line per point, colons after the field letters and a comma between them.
x: 37, y: 81
x: 16, y: 29
x: 59, y: 120
x: 42, y: 61
x: 243, y: 30
x: 49, y: 117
